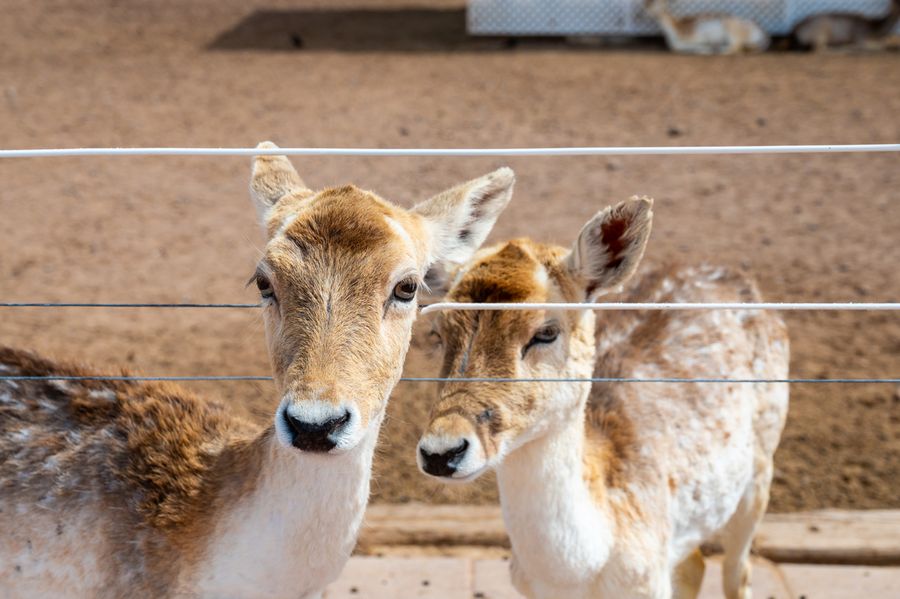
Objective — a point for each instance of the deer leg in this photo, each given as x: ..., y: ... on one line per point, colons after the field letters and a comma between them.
x: 738, y: 533
x: 688, y: 576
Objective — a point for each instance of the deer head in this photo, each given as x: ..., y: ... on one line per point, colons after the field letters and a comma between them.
x: 338, y: 282
x: 475, y: 424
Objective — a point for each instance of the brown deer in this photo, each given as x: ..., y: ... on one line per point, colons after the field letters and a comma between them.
x: 824, y: 31
x: 608, y: 490
x: 708, y: 33
x: 117, y: 489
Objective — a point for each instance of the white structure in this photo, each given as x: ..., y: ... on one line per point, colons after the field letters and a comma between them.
x: 628, y: 17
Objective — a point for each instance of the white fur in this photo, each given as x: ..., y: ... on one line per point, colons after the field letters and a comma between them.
x: 313, y: 507
x: 36, y: 561
x: 559, y: 536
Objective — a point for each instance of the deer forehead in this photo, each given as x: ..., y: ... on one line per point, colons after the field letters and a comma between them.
x: 517, y: 271
x: 346, y: 224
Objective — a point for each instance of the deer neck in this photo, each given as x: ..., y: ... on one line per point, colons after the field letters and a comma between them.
x: 290, y: 531
x: 559, y: 527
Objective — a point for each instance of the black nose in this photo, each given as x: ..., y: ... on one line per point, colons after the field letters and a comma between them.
x: 315, y: 436
x: 443, y: 464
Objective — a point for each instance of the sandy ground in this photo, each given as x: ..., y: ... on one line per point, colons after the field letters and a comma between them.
x: 230, y: 73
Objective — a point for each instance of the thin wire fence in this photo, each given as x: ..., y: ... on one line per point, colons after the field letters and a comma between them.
x: 440, y: 306
x: 448, y: 152
x: 428, y: 379
x: 118, y: 305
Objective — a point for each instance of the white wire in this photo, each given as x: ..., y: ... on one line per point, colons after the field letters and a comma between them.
x: 572, y: 151
x: 660, y: 306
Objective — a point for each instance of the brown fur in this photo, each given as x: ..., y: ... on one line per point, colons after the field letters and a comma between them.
x: 331, y: 274
x: 152, y: 452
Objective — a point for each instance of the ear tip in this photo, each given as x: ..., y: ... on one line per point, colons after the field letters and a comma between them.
x: 503, y: 177
x: 641, y: 205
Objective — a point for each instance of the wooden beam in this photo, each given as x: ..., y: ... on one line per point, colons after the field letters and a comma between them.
x: 867, y: 537
x: 419, y: 524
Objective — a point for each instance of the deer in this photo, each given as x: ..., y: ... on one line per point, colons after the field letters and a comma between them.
x: 125, y: 488
x: 824, y: 31
x: 708, y: 33
x: 609, y: 489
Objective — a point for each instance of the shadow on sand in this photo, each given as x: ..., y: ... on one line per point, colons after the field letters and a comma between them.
x: 363, y: 30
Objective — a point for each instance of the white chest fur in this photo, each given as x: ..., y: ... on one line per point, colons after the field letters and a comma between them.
x: 295, y: 533
x: 560, y: 538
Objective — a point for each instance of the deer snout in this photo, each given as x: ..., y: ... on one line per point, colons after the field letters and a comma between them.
x: 451, y: 456
x: 443, y: 463
x: 317, y: 426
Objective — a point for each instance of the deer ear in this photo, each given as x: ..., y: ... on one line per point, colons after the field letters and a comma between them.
x: 460, y: 219
x: 272, y: 178
x: 610, y: 246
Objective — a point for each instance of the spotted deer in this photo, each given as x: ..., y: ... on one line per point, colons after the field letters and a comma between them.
x: 708, y: 33
x: 608, y: 490
x: 118, y: 489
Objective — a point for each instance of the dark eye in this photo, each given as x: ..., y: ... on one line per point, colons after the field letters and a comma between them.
x: 435, y: 337
x: 405, y: 291
x: 546, y: 334
x: 265, y: 287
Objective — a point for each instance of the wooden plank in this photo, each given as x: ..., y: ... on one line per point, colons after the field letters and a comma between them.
x: 419, y: 524
x: 491, y: 580
x: 839, y: 582
x: 765, y: 580
x: 832, y: 537
x: 864, y: 537
x: 388, y: 578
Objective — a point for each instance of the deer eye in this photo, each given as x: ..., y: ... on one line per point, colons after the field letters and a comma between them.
x: 405, y: 291
x: 546, y: 334
x: 265, y: 287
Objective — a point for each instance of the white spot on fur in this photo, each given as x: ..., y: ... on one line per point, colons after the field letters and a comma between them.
x: 105, y: 394
x: 46, y: 404
x: 286, y: 222
x: 21, y: 435
x: 403, y: 234
x: 540, y: 276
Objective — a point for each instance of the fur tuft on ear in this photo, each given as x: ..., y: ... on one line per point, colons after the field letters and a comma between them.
x: 271, y: 178
x: 610, y: 246
x: 460, y: 218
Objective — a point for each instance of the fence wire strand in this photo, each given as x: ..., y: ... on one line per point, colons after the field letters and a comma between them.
x: 469, y: 380
x: 494, y: 152
x: 440, y: 306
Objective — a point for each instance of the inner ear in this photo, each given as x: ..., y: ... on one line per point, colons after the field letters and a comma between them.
x: 610, y: 246
x: 460, y: 218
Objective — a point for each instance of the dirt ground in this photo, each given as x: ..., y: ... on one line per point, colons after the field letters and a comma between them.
x: 234, y: 72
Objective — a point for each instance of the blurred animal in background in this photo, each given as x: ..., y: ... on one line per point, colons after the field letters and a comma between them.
x: 824, y: 31
x: 708, y: 33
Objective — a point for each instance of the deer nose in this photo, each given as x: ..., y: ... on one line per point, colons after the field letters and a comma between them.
x: 446, y: 463
x: 315, y: 436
